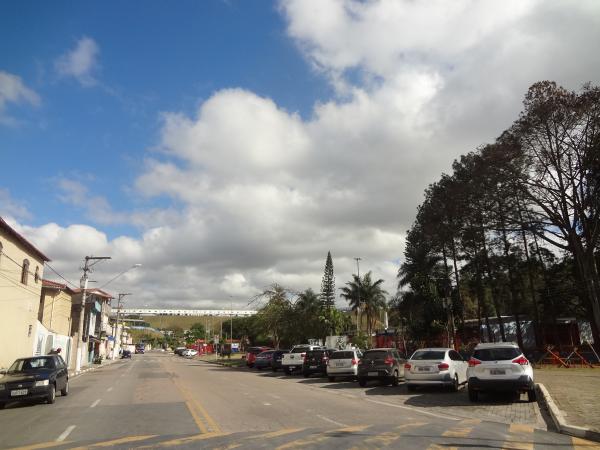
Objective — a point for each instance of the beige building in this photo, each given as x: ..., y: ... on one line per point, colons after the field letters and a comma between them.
x: 55, y: 307
x: 21, y: 272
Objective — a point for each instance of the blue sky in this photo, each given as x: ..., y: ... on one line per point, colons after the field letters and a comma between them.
x: 229, y: 145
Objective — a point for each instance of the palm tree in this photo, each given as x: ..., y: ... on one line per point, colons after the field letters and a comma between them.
x: 371, y: 298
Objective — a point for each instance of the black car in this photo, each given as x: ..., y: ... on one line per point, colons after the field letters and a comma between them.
x: 38, y: 377
x: 276, y: 361
x: 315, y: 361
x: 383, y: 364
x: 126, y: 354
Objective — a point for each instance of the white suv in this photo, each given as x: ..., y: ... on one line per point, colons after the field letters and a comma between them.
x: 499, y: 367
x: 343, y: 363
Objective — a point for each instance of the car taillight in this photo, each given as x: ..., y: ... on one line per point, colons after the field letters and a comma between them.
x: 360, y: 362
x: 474, y: 362
x: 443, y: 366
x: 407, y: 366
x: 521, y: 360
x: 354, y: 362
x: 389, y: 361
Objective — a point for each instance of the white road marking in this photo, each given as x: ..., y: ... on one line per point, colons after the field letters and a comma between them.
x: 95, y: 403
x: 439, y: 416
x: 109, y: 389
x: 267, y: 404
x: 327, y: 419
x: 65, y: 433
x: 275, y: 396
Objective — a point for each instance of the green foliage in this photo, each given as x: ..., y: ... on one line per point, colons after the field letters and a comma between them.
x: 328, y: 285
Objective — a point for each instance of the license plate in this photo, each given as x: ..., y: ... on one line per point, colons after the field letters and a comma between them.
x: 340, y: 364
x: 291, y: 367
x: 497, y: 372
x: 17, y: 392
x: 423, y: 369
x: 373, y: 374
x: 313, y: 367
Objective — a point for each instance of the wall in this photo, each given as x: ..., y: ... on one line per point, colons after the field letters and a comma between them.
x: 18, y: 302
x: 56, y: 311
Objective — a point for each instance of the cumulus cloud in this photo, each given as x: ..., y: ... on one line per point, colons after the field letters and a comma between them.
x: 79, y: 62
x: 9, y: 207
x: 260, y: 195
x: 13, y: 90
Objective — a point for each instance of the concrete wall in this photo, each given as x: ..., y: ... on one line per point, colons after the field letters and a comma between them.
x: 19, y: 303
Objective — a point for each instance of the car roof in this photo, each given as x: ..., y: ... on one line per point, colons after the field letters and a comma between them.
x: 435, y: 349
x: 495, y: 345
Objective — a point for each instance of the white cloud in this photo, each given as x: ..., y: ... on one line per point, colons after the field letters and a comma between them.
x: 262, y: 194
x: 9, y: 207
x: 79, y: 62
x: 13, y: 90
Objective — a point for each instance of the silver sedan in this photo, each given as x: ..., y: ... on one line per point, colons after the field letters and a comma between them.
x: 435, y: 366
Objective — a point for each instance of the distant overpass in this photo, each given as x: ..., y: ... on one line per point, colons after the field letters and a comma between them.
x: 187, y: 312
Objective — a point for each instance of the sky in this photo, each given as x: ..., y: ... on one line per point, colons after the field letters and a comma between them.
x: 227, y: 145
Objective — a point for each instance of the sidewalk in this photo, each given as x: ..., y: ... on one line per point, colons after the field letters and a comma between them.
x: 105, y: 362
x: 576, y: 392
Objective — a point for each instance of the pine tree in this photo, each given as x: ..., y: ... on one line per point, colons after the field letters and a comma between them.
x: 328, y: 285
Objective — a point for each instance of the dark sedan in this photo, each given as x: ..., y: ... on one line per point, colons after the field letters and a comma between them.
x: 383, y: 364
x: 271, y: 359
x: 315, y: 361
x: 37, y: 378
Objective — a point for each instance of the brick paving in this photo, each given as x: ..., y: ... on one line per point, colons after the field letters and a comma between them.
x: 576, y: 392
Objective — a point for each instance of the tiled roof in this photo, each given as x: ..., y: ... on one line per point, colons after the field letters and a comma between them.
x: 49, y: 284
x: 28, y: 245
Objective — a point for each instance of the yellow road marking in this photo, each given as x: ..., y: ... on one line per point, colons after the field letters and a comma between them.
x: 582, y: 444
x: 440, y: 447
x: 41, y: 445
x: 112, y: 442
x: 408, y: 426
x: 521, y: 437
x: 197, y: 419
x: 274, y: 434
x: 322, y: 437
x: 186, y: 440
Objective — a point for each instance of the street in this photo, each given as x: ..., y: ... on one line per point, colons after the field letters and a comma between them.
x: 161, y: 400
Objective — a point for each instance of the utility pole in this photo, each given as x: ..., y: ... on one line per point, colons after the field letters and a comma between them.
x: 83, y: 284
x: 358, y: 292
x: 119, y: 335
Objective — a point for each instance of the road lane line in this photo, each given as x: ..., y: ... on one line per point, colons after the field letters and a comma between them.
x: 321, y: 437
x: 65, y: 433
x: 189, y: 439
x: 113, y: 442
x: 196, y: 418
x: 41, y: 445
x: 93, y: 405
x: 520, y: 437
x: 327, y: 419
x: 109, y: 389
x: 582, y: 444
x: 266, y: 404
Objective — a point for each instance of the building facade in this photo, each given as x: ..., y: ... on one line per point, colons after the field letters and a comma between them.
x: 21, y: 272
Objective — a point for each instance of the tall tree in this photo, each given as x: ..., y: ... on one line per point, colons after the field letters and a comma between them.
x: 365, y: 294
x: 328, y: 285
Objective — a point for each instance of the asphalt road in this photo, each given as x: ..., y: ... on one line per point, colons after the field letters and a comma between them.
x: 160, y: 400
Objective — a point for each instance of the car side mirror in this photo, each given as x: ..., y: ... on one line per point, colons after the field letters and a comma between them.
x: 3, y: 371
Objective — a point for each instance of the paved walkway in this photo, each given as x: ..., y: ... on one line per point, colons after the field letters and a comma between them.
x: 576, y: 392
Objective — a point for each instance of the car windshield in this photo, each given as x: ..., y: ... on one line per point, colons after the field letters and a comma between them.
x: 378, y: 354
x: 31, y: 364
x: 300, y: 349
x: 496, y: 354
x: 426, y: 355
x: 343, y: 355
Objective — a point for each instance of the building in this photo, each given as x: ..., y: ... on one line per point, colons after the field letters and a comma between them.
x: 188, y: 312
x: 21, y: 272
x: 54, y: 316
x: 97, y: 331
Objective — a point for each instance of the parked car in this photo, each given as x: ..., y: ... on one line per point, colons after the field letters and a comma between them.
x: 252, y: 352
x: 179, y: 350
x: 189, y: 352
x: 278, y: 359
x: 126, y: 354
x: 499, y: 367
x: 38, y: 377
x: 294, y: 360
x: 264, y: 360
x: 383, y: 364
x: 435, y: 366
x: 343, y: 363
x: 315, y: 361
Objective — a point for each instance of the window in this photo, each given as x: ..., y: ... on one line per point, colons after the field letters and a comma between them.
x: 37, y: 274
x: 25, y: 271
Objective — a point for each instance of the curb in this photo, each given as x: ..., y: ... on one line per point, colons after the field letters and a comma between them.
x: 559, y: 419
x: 92, y: 368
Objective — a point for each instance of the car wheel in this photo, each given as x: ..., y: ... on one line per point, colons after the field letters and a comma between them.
x: 287, y: 371
x: 531, y: 395
x: 395, y: 379
x: 274, y: 369
x: 473, y: 395
x: 362, y: 382
x: 331, y: 378
x: 51, y: 398
x: 455, y: 384
x: 258, y: 368
x: 2, y: 405
x: 65, y: 391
